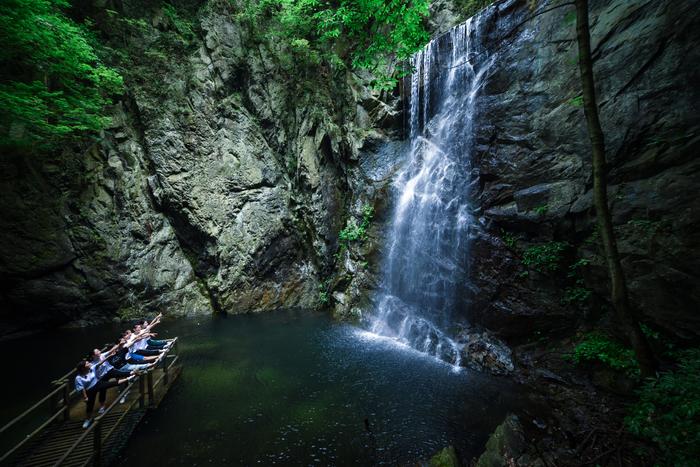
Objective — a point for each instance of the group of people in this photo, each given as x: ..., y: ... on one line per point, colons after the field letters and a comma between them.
x: 133, y: 353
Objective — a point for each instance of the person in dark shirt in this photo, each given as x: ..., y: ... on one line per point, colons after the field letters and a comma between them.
x: 120, y: 359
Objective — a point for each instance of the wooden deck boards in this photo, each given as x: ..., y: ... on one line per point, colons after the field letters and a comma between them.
x: 57, y: 439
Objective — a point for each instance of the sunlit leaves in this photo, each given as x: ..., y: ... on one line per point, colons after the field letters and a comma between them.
x: 370, y: 34
x: 52, y: 84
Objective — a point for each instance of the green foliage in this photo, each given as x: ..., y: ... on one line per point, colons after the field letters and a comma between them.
x: 576, y: 101
x: 133, y: 24
x: 182, y: 27
x: 593, y: 239
x: 52, y: 84
x: 324, y: 296
x: 570, y: 18
x: 662, y: 345
x: 668, y: 412
x: 642, y: 224
x: 577, y: 294
x: 545, y: 257
x: 354, y: 231
x: 542, y: 210
x: 351, y: 232
x: 369, y: 34
x: 129, y: 313
x: 649, y: 333
x: 575, y: 268
x: 597, y: 346
x: 509, y: 239
x: 468, y: 8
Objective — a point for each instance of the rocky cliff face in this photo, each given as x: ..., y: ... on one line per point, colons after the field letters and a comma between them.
x: 230, y: 168
x: 220, y: 186
x: 537, y: 264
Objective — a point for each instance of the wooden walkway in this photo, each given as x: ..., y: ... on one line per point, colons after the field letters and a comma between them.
x: 60, y: 439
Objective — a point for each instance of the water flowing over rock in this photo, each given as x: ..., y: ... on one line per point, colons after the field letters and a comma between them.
x: 222, y: 183
x: 425, y: 269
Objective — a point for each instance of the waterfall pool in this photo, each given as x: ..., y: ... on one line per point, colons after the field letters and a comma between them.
x: 297, y: 388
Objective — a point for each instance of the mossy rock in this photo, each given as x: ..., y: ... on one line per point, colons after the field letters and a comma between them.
x: 505, y: 445
x: 445, y: 458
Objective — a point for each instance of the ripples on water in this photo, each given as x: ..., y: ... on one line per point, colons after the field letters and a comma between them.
x: 295, y: 388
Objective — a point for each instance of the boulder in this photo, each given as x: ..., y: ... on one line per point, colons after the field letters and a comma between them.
x: 505, y: 445
x: 484, y: 352
x: 447, y: 457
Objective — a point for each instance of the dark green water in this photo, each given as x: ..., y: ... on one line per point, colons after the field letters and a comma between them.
x: 295, y: 388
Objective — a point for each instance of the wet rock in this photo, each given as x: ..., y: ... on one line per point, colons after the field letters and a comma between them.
x: 445, y: 458
x: 220, y: 185
x: 505, y: 446
x: 532, y: 160
x: 484, y: 352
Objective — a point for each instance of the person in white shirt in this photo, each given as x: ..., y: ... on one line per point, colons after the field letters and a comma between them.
x: 141, y: 336
x: 153, y: 343
x: 90, y: 385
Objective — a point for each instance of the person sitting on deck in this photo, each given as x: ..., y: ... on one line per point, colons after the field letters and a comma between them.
x: 115, y: 365
x: 138, y: 347
x: 106, y: 369
x: 146, y: 343
x: 140, y: 337
x: 89, y: 384
x: 123, y: 356
x: 152, y: 343
x: 144, y: 328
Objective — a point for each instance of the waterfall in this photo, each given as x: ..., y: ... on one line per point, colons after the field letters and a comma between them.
x: 424, y: 270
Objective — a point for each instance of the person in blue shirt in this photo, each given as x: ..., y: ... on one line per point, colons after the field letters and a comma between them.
x: 90, y: 385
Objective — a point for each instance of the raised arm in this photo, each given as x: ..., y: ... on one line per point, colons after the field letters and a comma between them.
x: 133, y: 338
x: 104, y: 356
x: 155, y: 321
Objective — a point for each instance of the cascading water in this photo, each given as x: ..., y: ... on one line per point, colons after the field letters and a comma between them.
x: 426, y: 264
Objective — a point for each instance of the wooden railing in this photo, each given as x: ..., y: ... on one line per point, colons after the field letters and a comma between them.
x: 62, y: 397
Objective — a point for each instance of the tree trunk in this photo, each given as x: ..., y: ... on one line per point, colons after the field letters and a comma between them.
x: 620, y: 300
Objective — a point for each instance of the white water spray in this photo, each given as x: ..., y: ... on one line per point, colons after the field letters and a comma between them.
x: 426, y: 265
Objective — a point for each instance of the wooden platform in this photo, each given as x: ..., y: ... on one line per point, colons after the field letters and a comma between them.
x: 62, y: 440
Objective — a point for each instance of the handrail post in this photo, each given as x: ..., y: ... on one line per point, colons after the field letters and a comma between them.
x: 149, y: 378
x: 54, y: 401
x: 66, y: 402
x: 165, y: 368
x: 142, y: 392
x: 97, y: 443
